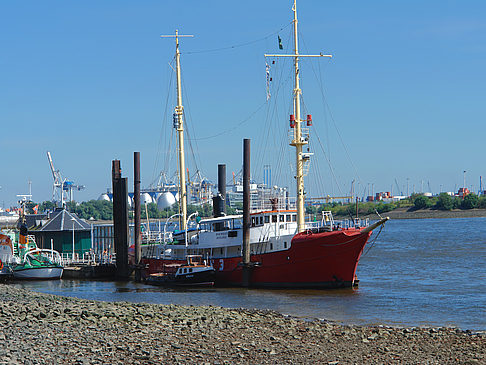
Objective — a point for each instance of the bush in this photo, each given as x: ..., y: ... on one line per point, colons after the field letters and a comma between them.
x: 445, y: 202
x: 456, y: 203
x: 470, y: 201
x: 482, y: 202
x: 421, y: 202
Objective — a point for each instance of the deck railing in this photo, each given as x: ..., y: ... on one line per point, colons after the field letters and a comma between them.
x: 88, y: 258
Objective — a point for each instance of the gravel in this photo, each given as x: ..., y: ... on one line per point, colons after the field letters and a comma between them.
x: 45, y: 329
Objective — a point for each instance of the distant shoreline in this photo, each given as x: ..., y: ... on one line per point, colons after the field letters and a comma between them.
x: 405, y: 213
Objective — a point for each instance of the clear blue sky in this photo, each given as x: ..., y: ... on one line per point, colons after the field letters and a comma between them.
x: 88, y: 82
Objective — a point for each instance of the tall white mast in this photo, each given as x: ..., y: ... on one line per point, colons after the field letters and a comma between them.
x: 298, y: 140
x: 179, y: 126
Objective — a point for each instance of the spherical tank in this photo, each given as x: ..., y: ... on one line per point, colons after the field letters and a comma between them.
x: 165, y: 201
x: 145, y: 198
x: 104, y: 197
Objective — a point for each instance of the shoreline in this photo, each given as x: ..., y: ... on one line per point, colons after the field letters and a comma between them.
x: 405, y: 213
x: 90, y: 332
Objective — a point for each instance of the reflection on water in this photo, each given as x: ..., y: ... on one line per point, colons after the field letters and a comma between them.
x: 419, y: 272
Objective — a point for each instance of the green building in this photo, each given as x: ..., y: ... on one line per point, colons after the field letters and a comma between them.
x: 65, y: 232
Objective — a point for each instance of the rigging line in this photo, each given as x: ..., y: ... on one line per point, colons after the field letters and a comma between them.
x: 190, y: 128
x: 370, y: 246
x: 237, y: 45
x: 321, y: 89
x: 339, y: 134
x: 233, y: 128
x: 330, y: 166
x: 162, y: 129
x: 270, y: 116
x: 274, y: 114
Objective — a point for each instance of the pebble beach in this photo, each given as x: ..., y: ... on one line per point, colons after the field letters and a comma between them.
x: 46, y: 329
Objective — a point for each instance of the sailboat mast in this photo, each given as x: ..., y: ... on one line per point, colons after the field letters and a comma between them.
x: 180, y: 134
x: 179, y: 126
x: 298, y: 141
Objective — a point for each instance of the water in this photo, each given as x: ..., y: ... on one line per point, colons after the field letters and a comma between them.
x: 418, y: 272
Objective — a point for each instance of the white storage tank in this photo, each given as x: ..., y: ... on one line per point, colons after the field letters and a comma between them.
x: 165, y: 200
x: 145, y: 198
x: 105, y: 197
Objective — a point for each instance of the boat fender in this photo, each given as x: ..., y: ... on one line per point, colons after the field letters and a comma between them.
x: 1, y: 265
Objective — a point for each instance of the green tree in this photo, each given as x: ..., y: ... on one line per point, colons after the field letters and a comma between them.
x: 29, y: 207
x: 470, y: 201
x: 482, y: 202
x: 445, y: 202
x: 421, y: 202
x: 310, y: 209
x: 456, y: 203
x: 47, y: 206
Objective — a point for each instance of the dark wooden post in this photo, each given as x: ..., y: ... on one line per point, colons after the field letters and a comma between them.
x: 246, y: 274
x: 136, y: 201
x: 120, y: 220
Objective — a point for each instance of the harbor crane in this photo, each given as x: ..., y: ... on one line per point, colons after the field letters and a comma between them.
x: 62, y: 189
x: 398, y: 187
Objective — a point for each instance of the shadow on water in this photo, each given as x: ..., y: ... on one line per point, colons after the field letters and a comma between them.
x: 419, y: 272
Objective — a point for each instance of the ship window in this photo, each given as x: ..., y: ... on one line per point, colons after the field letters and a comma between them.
x: 294, y: 218
x: 282, y: 218
x: 271, y: 246
x: 285, y: 244
x: 288, y: 218
x: 190, y: 270
x: 274, y: 218
x: 261, y: 220
x: 267, y: 219
x: 253, y: 221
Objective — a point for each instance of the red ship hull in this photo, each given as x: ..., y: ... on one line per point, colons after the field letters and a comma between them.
x: 314, y: 260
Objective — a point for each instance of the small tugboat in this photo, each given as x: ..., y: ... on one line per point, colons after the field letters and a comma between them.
x: 196, y: 272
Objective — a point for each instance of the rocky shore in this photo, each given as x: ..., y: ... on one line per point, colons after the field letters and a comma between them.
x: 45, y: 329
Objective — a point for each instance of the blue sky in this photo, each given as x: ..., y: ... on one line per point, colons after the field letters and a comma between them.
x: 88, y: 81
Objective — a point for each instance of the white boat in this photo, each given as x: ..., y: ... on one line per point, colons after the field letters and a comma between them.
x: 38, y: 264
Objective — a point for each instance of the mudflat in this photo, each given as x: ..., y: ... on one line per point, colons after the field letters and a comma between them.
x: 45, y: 329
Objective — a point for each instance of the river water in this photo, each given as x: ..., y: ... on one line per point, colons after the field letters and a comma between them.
x: 424, y: 272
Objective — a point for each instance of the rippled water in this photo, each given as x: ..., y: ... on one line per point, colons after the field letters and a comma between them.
x: 418, y: 272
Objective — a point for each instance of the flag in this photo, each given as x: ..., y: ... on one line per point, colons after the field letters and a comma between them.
x: 280, y: 42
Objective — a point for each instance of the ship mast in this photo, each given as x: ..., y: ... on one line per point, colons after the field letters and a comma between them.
x: 298, y: 140
x: 179, y: 126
